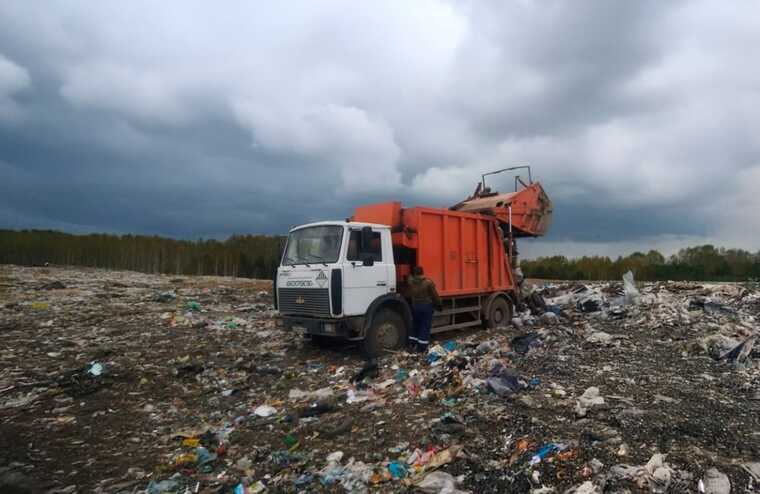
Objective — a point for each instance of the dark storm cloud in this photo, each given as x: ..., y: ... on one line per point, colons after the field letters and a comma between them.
x: 95, y: 170
x: 192, y: 121
x: 558, y: 67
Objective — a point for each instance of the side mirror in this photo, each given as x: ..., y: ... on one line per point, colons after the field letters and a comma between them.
x: 368, y: 261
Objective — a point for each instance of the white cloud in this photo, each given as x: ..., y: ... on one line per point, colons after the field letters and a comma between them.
x: 13, y: 79
x: 147, y: 95
x: 737, y: 216
x: 363, y: 151
x: 450, y: 184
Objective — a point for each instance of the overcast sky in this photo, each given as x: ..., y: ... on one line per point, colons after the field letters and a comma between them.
x: 199, y: 119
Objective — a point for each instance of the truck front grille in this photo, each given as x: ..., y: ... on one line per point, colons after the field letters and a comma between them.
x: 306, y: 301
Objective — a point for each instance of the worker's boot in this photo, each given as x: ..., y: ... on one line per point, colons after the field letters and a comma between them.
x: 411, y: 346
x: 370, y: 371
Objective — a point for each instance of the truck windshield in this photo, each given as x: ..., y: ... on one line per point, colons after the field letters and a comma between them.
x: 315, y: 244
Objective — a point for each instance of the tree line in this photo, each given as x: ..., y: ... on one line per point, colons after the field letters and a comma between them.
x: 701, y: 263
x: 251, y: 256
x: 257, y: 256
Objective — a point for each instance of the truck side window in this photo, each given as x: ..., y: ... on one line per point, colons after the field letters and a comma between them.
x: 357, y: 252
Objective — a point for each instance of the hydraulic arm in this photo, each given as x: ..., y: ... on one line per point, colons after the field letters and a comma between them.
x: 526, y: 212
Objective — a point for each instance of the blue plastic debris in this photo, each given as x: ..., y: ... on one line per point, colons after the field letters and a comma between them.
x: 449, y: 402
x: 162, y: 486
x: 450, y: 345
x: 545, y: 451
x: 398, y: 470
x: 315, y: 366
x: 284, y: 458
x: 205, y: 459
x: 401, y: 375
x: 304, y: 480
x: 334, y: 475
x: 555, y: 309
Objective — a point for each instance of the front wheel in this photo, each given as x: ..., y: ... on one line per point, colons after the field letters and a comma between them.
x: 499, y: 313
x: 388, y: 332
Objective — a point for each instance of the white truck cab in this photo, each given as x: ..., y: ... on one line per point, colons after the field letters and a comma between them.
x: 338, y: 279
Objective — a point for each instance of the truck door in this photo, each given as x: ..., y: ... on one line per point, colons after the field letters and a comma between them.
x: 369, y: 260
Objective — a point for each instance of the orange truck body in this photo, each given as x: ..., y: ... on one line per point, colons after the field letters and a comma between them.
x: 464, y: 249
x: 463, y: 253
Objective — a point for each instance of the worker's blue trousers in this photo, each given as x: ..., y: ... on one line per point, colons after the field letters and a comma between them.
x: 423, y: 319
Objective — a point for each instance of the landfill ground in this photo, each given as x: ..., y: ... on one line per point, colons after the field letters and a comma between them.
x: 122, y: 382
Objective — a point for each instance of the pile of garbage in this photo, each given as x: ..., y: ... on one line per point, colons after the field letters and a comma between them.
x: 123, y: 382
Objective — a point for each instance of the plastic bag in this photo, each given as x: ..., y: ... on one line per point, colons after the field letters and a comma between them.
x: 439, y: 483
x: 631, y: 292
x: 265, y: 410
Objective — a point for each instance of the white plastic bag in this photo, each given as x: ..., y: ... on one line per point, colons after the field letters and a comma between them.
x: 631, y: 292
x: 265, y: 410
x: 440, y: 483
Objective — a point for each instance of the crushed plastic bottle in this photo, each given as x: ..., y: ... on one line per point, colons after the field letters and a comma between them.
x: 96, y: 369
x: 543, y: 453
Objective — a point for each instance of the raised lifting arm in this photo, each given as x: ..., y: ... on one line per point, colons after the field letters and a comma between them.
x: 526, y: 212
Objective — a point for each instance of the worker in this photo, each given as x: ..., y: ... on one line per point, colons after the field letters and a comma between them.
x: 424, y: 298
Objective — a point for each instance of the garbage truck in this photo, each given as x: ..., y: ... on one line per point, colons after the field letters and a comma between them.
x: 347, y: 279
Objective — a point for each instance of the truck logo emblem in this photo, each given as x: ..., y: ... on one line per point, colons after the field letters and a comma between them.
x: 300, y: 283
x: 321, y: 279
x: 300, y: 300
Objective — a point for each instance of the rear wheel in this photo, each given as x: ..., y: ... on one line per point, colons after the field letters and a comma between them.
x: 388, y: 332
x: 499, y: 313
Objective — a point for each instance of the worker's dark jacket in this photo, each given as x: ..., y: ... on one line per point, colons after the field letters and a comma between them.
x: 422, y: 291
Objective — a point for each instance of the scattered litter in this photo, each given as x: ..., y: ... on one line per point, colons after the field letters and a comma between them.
x: 590, y: 305
x: 716, y: 482
x: 543, y: 452
x: 753, y: 469
x: 53, y: 285
x: 162, y: 486
x: 600, y: 338
x: 549, y: 318
x: 440, y: 483
x: 220, y: 397
x: 588, y: 400
x: 487, y: 346
x: 398, y: 470
x: 587, y: 487
x: 523, y: 344
x: 96, y: 369
x: 630, y: 291
x: 165, y: 297
x: 320, y: 394
x: 741, y: 351
x: 264, y: 411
